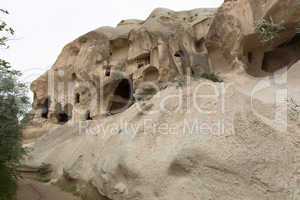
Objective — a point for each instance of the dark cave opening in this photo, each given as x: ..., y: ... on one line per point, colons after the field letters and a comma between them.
x: 285, y: 55
x: 122, y: 97
x: 178, y: 54
x: 45, y: 109
x: 107, y: 71
x: 77, y: 98
x: 250, y: 57
x: 140, y: 65
x: 74, y: 76
x: 62, y: 115
x: 88, y: 116
x: 264, y: 60
x: 192, y: 72
x: 199, y: 45
x: 294, y: 40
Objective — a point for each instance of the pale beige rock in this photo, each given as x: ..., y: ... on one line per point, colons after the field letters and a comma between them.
x: 233, y: 35
x: 167, y: 44
x: 250, y: 160
x: 143, y: 124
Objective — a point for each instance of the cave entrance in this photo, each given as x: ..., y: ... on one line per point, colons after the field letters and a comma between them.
x: 261, y: 62
x: 122, y: 97
x: 77, y: 98
x: 68, y: 109
x: 199, y: 45
x: 61, y: 115
x: 74, y: 77
x: 45, y: 109
x: 284, y: 55
x: 179, y: 54
x: 107, y: 71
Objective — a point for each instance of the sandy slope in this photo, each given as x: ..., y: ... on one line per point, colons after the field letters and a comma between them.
x: 233, y: 153
x: 33, y: 190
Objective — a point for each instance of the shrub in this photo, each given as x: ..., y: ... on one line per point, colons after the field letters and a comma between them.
x: 268, y: 30
x: 293, y: 110
x: 83, y: 39
x: 13, y: 106
x: 212, y: 76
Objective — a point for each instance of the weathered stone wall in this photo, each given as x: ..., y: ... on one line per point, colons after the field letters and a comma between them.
x: 89, y: 70
x: 235, y: 33
x: 88, y: 79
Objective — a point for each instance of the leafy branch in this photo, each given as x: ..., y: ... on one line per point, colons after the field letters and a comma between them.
x: 5, y: 31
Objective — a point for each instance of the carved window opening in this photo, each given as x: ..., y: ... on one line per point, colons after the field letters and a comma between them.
x: 74, y: 76
x: 88, y: 116
x: 107, y: 71
x: 192, y: 72
x: 178, y: 54
x: 77, y: 98
x: 62, y: 117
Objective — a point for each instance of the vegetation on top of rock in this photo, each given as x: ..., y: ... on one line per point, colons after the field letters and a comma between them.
x: 268, y: 30
x: 83, y: 40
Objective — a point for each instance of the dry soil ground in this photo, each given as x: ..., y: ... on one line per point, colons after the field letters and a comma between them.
x: 32, y: 190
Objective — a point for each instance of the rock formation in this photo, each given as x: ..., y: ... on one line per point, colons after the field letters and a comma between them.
x: 255, y: 33
x: 128, y: 111
x: 117, y: 61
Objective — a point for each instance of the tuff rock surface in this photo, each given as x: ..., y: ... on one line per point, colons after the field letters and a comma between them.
x: 129, y: 112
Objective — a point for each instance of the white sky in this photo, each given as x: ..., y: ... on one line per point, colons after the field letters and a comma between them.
x: 44, y: 27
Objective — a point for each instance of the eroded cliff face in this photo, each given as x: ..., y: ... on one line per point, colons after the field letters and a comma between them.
x: 255, y: 34
x: 259, y: 38
x: 117, y: 61
x: 115, y: 111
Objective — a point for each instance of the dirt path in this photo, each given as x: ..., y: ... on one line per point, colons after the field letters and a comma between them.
x: 33, y: 190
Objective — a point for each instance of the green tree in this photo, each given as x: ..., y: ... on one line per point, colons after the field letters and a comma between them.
x: 13, y: 104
